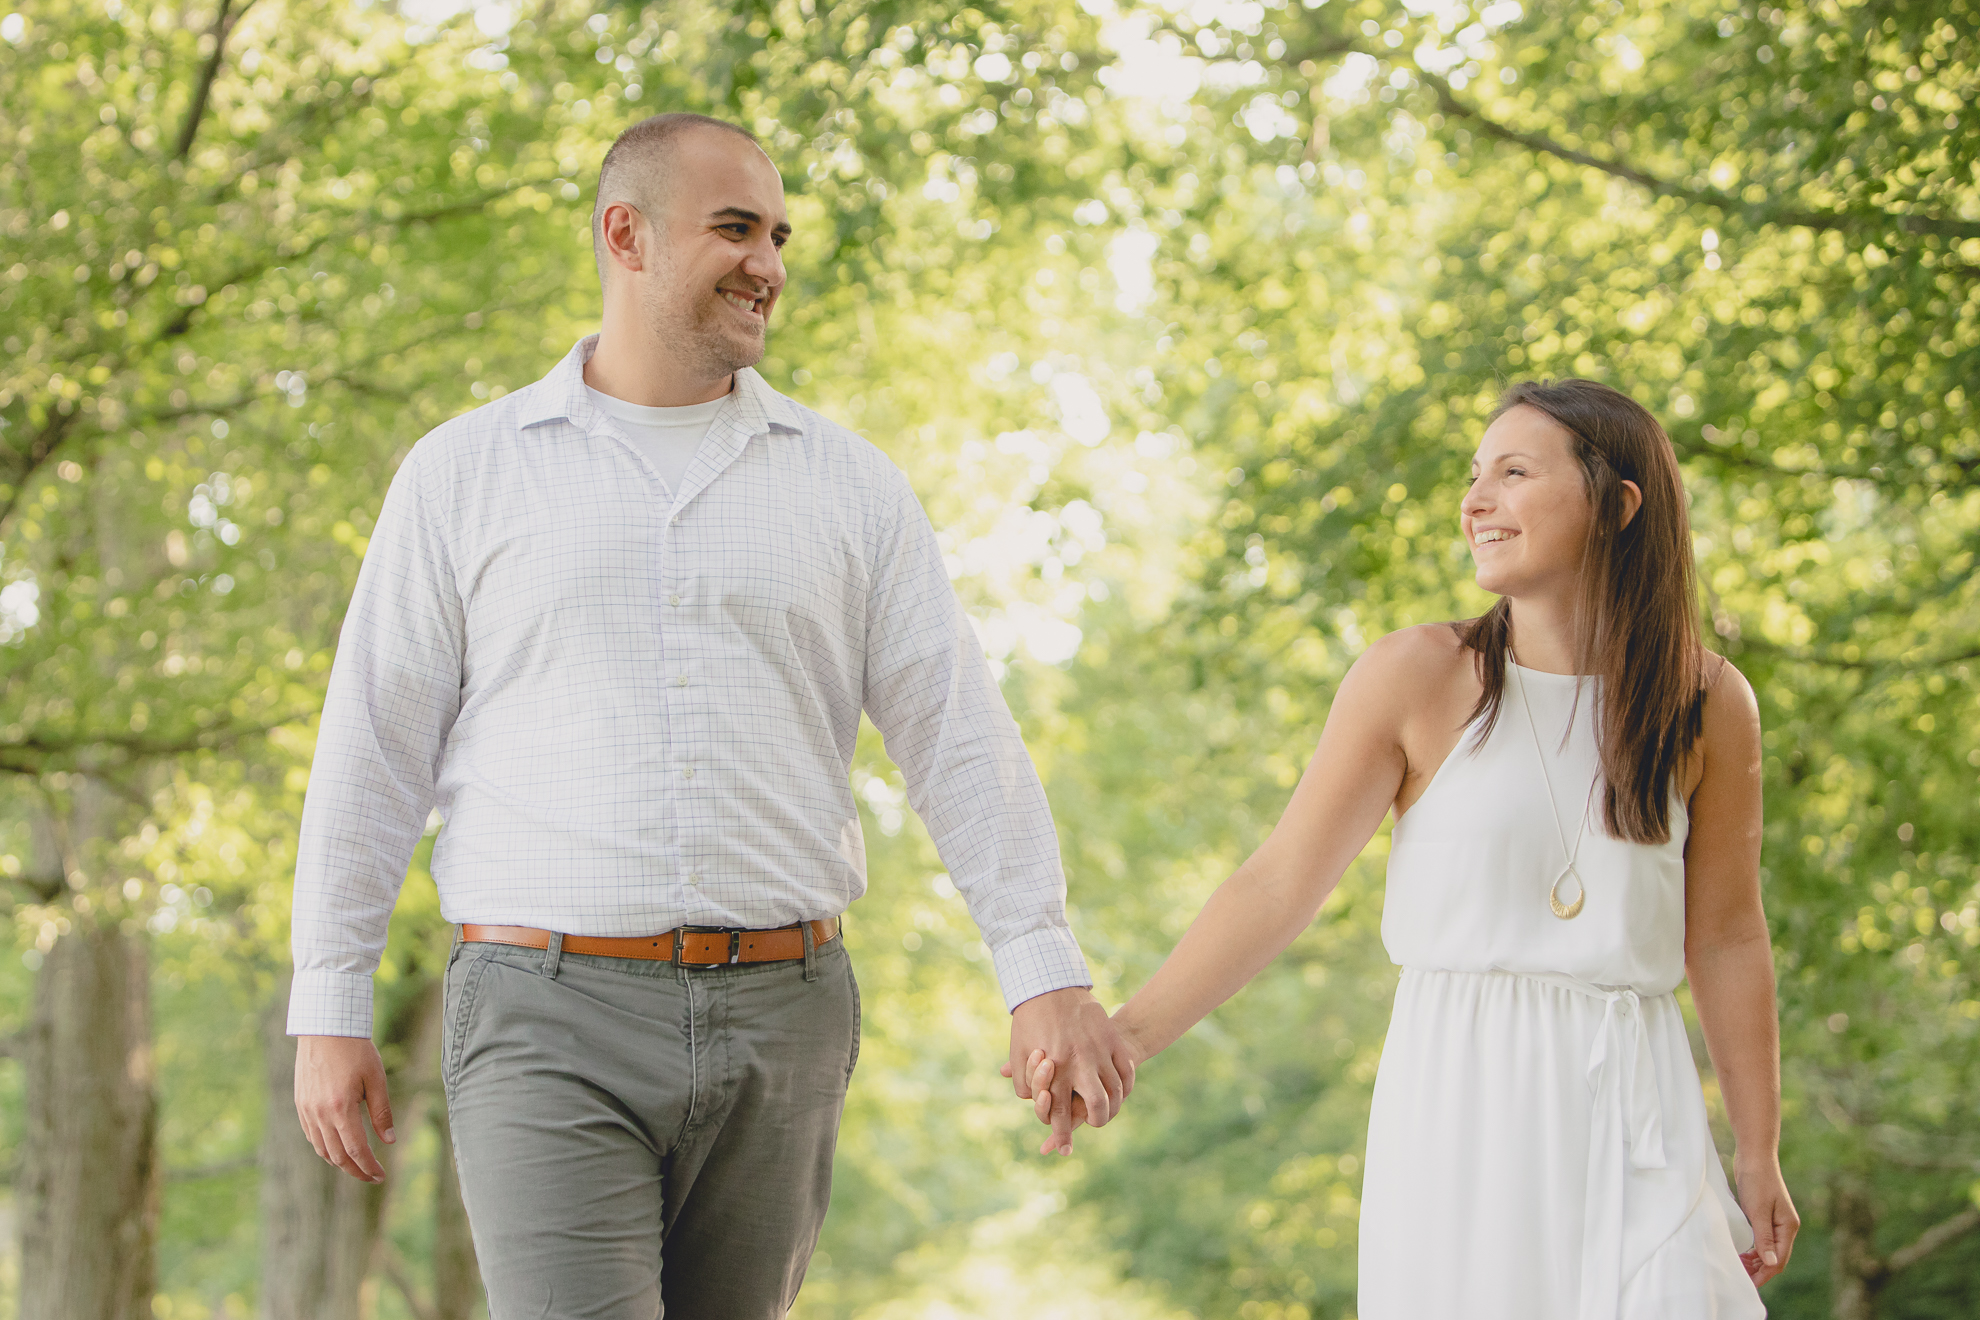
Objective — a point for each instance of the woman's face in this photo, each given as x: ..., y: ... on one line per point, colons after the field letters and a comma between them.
x: 1527, y: 514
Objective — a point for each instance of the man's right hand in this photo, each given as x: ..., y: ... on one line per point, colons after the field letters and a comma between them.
x: 339, y: 1079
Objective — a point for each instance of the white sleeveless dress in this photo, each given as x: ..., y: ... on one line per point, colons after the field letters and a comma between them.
x: 1538, y: 1146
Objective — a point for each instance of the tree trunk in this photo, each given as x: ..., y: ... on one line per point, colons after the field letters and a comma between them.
x: 319, y: 1225
x: 456, y: 1279
x: 321, y: 1228
x: 89, y: 1186
x: 1856, y: 1271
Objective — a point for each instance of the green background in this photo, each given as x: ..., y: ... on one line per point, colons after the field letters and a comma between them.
x: 1183, y: 319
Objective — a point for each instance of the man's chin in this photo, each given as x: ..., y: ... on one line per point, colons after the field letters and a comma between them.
x: 732, y: 335
x: 718, y: 349
x: 726, y: 354
x: 744, y: 350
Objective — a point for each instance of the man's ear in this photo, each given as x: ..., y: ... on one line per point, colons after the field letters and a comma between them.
x: 1632, y: 496
x: 623, y: 229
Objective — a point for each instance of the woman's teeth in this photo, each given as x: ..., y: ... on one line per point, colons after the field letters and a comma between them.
x: 1496, y: 534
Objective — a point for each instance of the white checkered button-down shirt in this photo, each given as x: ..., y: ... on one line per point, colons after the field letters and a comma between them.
x: 636, y: 713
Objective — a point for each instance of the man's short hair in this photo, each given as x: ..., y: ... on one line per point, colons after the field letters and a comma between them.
x: 636, y: 168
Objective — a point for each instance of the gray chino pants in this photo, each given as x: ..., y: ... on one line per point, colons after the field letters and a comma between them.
x: 631, y: 1132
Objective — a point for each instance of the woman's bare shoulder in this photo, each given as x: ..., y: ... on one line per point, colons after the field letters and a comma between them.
x: 1411, y: 661
x: 1732, y: 711
x: 1423, y: 650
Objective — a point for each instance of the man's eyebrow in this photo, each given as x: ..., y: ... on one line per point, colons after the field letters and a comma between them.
x: 742, y: 213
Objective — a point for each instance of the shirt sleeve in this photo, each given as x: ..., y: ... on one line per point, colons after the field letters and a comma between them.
x: 930, y: 692
x: 394, y: 692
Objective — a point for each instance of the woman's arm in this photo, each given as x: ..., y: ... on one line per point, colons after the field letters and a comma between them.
x: 1348, y: 786
x: 1730, y: 962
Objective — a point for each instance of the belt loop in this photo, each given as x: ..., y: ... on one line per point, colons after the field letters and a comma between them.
x: 553, y: 957
x: 680, y: 958
x: 810, y: 951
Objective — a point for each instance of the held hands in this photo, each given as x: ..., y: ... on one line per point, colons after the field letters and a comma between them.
x: 1043, y: 1071
x: 1070, y: 1061
x: 339, y: 1079
x: 1763, y: 1195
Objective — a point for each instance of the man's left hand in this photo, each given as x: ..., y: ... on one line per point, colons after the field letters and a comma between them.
x: 1090, y: 1060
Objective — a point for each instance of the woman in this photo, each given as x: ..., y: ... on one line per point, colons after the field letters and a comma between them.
x: 1576, y: 784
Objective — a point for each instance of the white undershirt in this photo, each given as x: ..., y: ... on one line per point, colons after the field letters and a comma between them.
x: 667, y: 436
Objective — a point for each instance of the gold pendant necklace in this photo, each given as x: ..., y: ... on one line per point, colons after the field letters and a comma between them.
x: 1565, y: 911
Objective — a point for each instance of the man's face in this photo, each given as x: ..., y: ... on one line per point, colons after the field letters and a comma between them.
x: 718, y: 266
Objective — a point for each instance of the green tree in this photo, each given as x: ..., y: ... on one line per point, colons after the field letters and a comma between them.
x: 1183, y: 323
x: 1412, y: 206
x: 256, y: 254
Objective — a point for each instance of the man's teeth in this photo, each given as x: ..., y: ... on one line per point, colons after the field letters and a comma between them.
x: 738, y: 301
x: 1496, y: 534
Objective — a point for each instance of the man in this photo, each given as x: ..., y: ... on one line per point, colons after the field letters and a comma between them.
x: 619, y: 627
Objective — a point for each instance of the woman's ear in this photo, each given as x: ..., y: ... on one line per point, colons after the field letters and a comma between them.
x: 1632, y: 496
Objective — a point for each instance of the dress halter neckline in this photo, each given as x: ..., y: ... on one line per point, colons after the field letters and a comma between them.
x: 1546, y: 673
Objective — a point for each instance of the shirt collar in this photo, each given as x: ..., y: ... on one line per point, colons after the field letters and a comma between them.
x: 560, y: 396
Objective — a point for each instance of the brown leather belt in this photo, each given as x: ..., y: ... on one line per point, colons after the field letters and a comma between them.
x: 696, y: 946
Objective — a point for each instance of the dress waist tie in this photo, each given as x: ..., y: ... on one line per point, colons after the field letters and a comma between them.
x: 1628, y: 1115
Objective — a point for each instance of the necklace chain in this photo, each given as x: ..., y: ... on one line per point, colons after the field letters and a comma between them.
x: 1565, y: 911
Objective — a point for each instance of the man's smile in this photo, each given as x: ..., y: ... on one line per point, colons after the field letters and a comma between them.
x: 743, y: 302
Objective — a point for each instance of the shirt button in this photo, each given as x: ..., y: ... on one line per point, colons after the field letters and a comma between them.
x: 674, y: 600
x: 688, y: 773
x: 681, y: 681
x: 694, y: 878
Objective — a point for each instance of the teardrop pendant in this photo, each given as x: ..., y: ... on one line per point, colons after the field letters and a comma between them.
x: 1567, y: 911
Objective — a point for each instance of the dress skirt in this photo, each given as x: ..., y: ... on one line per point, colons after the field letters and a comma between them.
x: 1538, y: 1149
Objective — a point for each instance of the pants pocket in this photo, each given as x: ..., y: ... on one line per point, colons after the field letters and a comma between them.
x: 462, y: 984
x: 853, y: 981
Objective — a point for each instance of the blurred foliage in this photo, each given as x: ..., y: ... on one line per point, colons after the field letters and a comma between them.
x: 1184, y: 319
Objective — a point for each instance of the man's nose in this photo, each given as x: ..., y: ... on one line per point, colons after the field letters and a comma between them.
x: 765, y: 263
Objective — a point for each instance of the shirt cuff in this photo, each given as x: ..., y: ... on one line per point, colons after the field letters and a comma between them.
x: 325, y: 1003
x: 1039, y: 961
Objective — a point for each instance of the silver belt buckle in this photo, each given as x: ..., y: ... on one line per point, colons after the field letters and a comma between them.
x: 735, y: 943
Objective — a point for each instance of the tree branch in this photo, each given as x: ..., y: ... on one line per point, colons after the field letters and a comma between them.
x: 1866, y: 221
x: 46, y: 887
x: 1876, y: 474
x: 1849, y: 221
x: 222, y: 28
x: 40, y: 449
x: 23, y: 465
x: 31, y: 755
x: 1941, y: 1233
x: 1905, y: 662
x: 182, y: 323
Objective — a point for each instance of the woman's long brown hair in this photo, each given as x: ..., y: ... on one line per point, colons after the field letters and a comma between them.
x: 1635, y: 616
